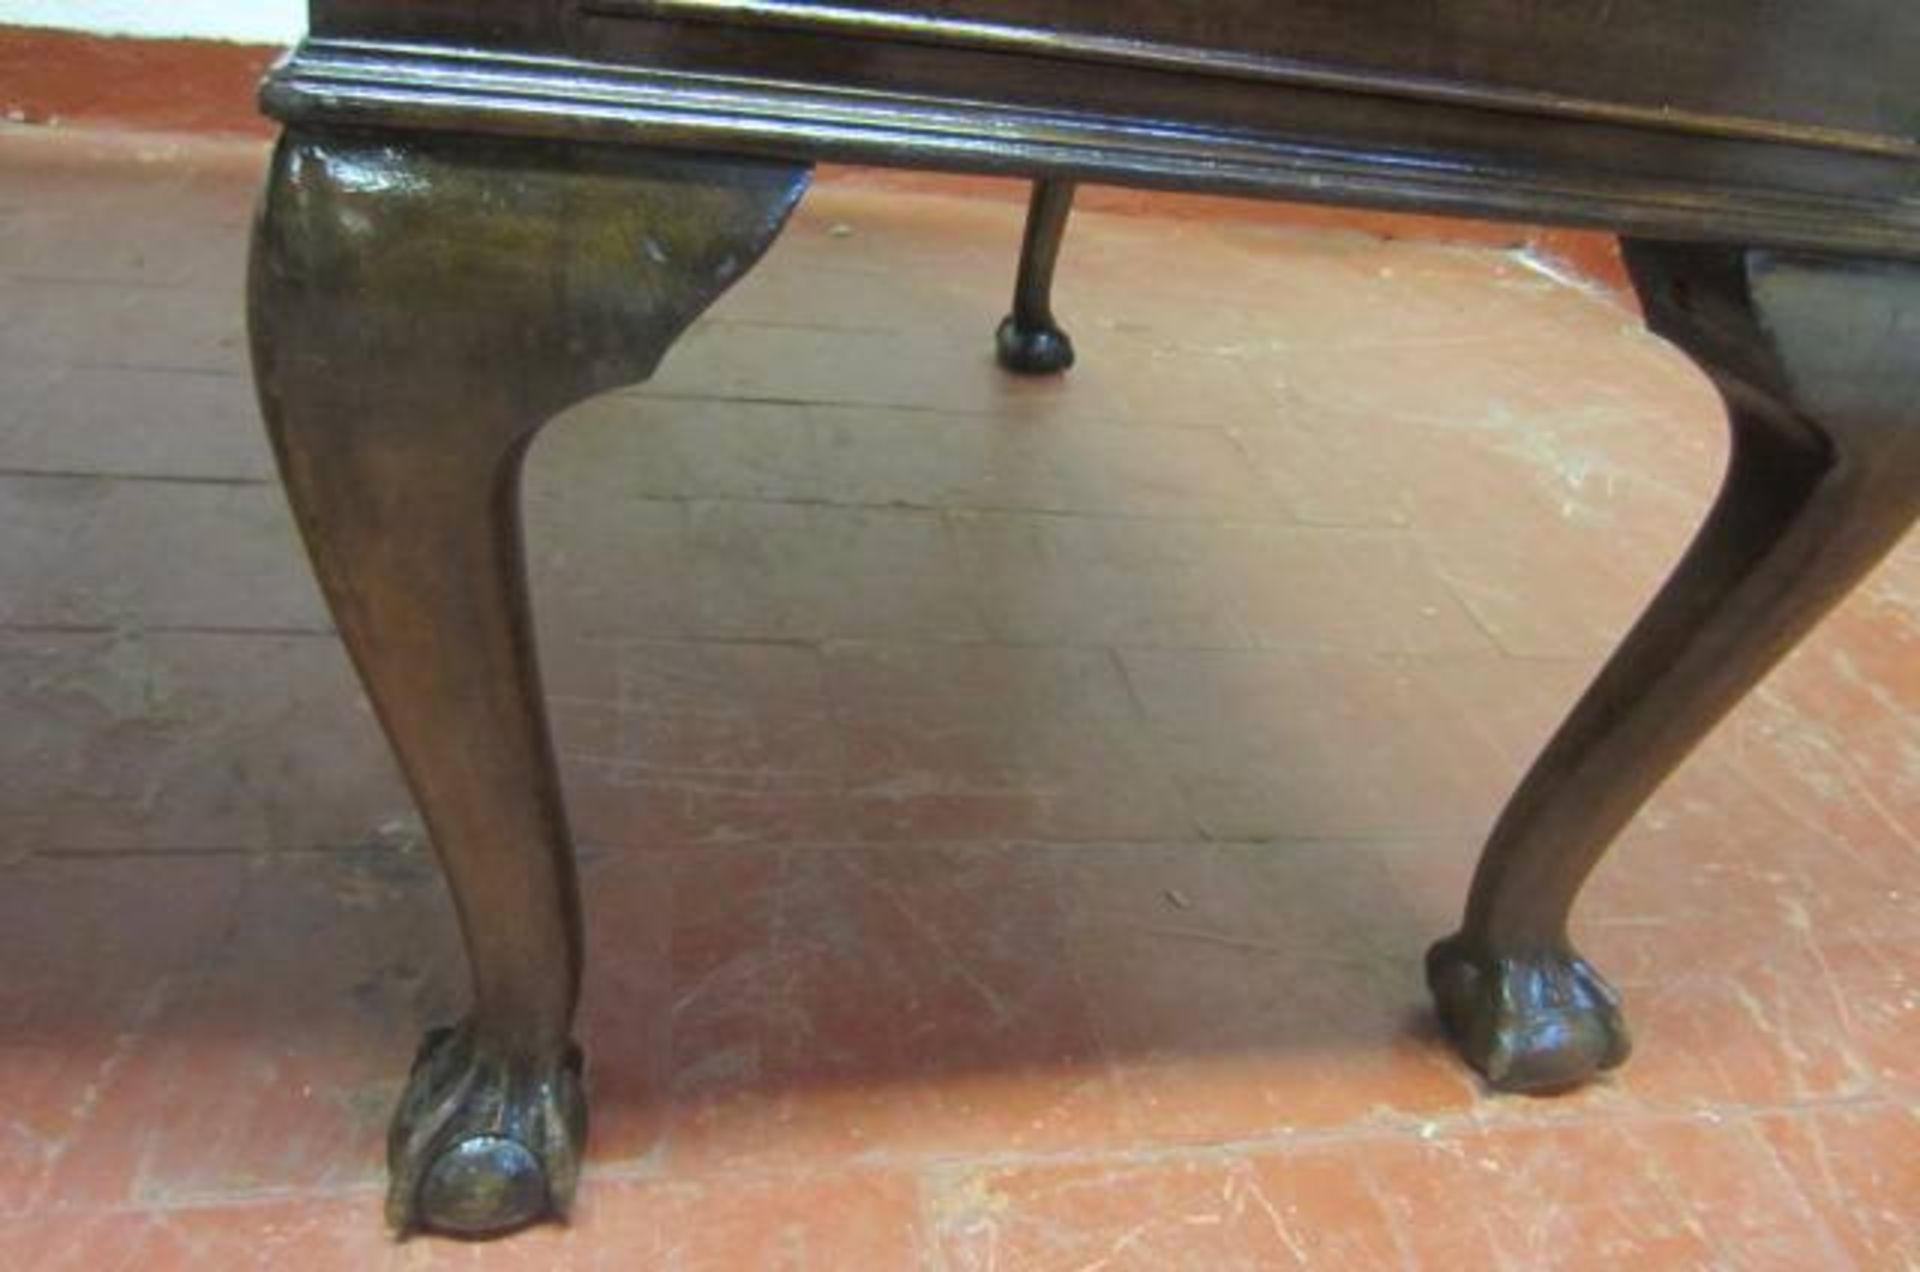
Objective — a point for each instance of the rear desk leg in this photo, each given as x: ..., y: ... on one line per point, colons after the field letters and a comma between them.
x: 1029, y: 341
x: 420, y: 307
x: 1818, y: 360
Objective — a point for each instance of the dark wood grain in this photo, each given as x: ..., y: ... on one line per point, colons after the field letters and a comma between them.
x: 447, y: 257
x: 1816, y: 359
x: 1841, y: 65
x: 1029, y: 341
x: 1759, y: 67
x: 801, y: 97
x: 504, y: 24
x: 418, y: 313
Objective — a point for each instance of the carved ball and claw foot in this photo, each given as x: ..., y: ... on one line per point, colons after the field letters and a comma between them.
x: 420, y: 309
x: 484, y: 1143
x: 1536, y: 1025
x: 1813, y: 356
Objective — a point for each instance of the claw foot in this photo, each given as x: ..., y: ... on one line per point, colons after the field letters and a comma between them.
x: 1537, y: 1024
x: 482, y: 1143
x: 1033, y: 350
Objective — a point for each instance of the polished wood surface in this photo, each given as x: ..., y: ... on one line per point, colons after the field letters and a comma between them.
x: 1743, y: 128
x: 1815, y: 359
x: 1029, y: 341
x: 418, y: 313
x: 1843, y: 67
x: 1837, y: 71
x: 485, y: 211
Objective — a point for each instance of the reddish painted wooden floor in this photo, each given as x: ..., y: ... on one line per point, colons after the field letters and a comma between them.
x: 1013, y: 814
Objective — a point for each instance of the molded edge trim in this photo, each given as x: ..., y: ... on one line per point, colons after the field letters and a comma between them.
x: 377, y: 84
x: 857, y: 22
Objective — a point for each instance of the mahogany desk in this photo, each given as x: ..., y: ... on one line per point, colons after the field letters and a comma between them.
x: 483, y: 211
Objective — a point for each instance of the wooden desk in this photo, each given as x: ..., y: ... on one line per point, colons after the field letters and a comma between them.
x: 483, y: 211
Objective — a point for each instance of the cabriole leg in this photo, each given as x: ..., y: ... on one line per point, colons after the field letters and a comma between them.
x: 1029, y: 341
x: 1818, y: 360
x: 420, y: 307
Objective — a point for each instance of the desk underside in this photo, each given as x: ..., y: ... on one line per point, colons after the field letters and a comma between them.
x: 1764, y: 121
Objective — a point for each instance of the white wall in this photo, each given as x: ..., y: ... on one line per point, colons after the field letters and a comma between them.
x: 252, y: 21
